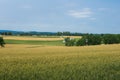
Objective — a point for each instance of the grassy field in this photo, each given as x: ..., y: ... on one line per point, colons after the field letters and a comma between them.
x: 36, y: 42
x: 38, y: 62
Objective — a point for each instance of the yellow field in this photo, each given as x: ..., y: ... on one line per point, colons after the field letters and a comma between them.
x: 38, y: 38
x: 35, y: 62
x: 31, y: 38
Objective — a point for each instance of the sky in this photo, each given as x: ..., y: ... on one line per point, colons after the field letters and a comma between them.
x: 84, y: 16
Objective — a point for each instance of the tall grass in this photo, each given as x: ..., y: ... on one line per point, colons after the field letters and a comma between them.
x: 34, y: 62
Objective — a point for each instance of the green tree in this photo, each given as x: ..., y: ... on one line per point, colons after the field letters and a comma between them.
x: 118, y: 37
x: 9, y: 33
x: 66, y: 33
x: 2, y: 43
x: 94, y: 39
x: 80, y: 42
x: 59, y: 33
x: 69, y: 41
x: 110, y: 39
x: 89, y: 39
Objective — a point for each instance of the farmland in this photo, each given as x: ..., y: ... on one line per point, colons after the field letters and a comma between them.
x: 42, y: 62
x: 35, y: 40
x: 42, y: 38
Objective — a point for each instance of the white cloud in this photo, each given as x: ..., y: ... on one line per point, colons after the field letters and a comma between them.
x: 85, y: 13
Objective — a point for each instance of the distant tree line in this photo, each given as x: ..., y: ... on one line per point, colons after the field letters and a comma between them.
x: 93, y: 39
x: 67, y: 33
x: 6, y: 33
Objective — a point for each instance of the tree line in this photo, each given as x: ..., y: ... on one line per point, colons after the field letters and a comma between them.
x: 93, y: 39
x: 66, y: 33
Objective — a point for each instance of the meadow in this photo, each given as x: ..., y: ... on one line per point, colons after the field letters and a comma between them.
x: 35, y: 40
x: 42, y: 62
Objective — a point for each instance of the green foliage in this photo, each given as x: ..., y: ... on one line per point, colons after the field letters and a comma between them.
x: 67, y: 33
x: 89, y: 39
x: 81, y: 42
x: 95, y: 39
x: 6, y: 33
x: 59, y: 34
x: 111, y: 39
x: 118, y: 35
x: 69, y: 41
x: 2, y: 42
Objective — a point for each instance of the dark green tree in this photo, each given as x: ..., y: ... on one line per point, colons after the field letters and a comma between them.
x: 94, y: 39
x: 69, y: 41
x: 110, y: 39
x: 118, y: 35
x: 9, y: 33
x: 66, y: 33
x: 59, y: 33
x: 89, y: 39
x: 2, y: 43
x: 81, y: 42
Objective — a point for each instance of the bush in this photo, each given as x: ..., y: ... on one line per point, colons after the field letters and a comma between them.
x: 111, y: 39
x: 94, y: 39
x: 118, y: 38
x: 81, y: 42
x: 2, y: 42
x: 69, y: 42
x: 89, y: 40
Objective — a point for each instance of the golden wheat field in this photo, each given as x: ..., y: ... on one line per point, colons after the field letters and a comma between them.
x: 35, y: 62
x: 43, y: 38
x: 32, y: 38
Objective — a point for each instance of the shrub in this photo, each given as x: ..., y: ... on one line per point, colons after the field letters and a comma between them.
x: 2, y: 42
x: 94, y: 39
x: 118, y: 38
x: 110, y: 39
x: 81, y: 42
x: 69, y: 41
x: 89, y: 39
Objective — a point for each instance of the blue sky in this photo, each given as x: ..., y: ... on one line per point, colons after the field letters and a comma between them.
x: 85, y: 16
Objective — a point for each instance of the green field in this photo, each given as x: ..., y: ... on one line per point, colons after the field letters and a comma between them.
x: 36, y: 62
x: 35, y: 42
